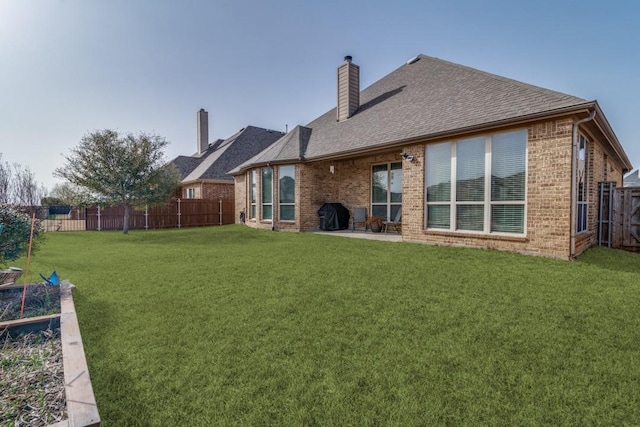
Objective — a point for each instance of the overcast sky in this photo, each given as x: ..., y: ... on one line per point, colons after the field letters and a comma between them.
x: 68, y: 67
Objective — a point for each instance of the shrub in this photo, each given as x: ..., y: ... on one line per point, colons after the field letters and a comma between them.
x: 15, y: 229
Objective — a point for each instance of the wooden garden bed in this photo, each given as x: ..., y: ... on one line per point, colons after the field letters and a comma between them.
x: 81, y: 405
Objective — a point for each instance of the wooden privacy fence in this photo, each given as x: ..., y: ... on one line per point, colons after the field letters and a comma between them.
x: 175, y: 214
x: 619, y: 217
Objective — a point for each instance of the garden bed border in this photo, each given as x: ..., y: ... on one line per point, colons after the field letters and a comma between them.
x: 82, y: 409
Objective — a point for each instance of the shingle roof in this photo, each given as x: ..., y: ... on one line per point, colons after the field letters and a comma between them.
x: 186, y: 164
x: 633, y: 179
x: 224, y: 155
x: 425, y: 98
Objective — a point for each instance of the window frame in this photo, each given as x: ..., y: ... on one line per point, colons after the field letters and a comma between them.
x: 390, y: 205
x: 253, y: 195
x: 264, y: 204
x: 190, y: 193
x: 488, y: 203
x: 582, y: 195
x: 282, y: 204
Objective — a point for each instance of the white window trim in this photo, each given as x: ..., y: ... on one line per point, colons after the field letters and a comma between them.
x: 488, y: 203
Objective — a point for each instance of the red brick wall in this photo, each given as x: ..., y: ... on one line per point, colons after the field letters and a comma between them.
x: 210, y: 190
x: 240, y: 187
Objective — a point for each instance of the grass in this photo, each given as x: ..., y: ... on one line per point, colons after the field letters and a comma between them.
x: 234, y: 326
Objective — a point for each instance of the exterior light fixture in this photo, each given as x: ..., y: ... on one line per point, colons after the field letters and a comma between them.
x: 407, y: 157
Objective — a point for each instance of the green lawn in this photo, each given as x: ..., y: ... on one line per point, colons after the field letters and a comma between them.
x: 233, y: 326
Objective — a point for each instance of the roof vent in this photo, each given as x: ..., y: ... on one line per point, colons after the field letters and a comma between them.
x: 413, y: 60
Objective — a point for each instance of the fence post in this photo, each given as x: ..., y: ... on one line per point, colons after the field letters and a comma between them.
x: 146, y: 217
x: 99, y: 218
x: 179, y: 213
x: 220, y: 211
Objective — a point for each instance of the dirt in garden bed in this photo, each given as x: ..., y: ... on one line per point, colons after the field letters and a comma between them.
x: 41, y: 299
x: 32, y: 380
x: 31, y: 373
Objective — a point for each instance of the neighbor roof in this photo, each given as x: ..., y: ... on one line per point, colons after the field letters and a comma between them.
x: 633, y: 179
x: 427, y: 97
x: 223, y: 155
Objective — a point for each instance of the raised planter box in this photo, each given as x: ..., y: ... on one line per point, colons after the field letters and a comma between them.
x: 9, y: 276
x: 82, y: 410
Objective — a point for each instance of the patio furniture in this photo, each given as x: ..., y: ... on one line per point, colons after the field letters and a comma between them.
x: 396, y: 223
x: 359, y: 217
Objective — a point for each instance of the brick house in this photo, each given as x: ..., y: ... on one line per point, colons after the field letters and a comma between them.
x: 471, y: 158
x: 204, y: 174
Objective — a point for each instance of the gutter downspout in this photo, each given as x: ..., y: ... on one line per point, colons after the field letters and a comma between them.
x: 574, y: 184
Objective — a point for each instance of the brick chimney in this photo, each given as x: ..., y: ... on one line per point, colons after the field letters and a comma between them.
x: 203, y: 131
x: 348, y: 89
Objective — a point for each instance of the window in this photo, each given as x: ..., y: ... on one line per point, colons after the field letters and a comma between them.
x: 253, y: 194
x: 478, y: 184
x: 470, y: 183
x: 581, y: 176
x: 190, y: 193
x: 287, y: 188
x: 267, y: 194
x: 386, y: 190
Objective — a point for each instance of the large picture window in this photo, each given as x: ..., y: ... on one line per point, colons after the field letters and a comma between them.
x: 386, y: 190
x: 581, y: 177
x: 267, y: 193
x: 287, y: 192
x: 478, y: 184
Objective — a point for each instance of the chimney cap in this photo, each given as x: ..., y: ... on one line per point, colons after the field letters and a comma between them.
x: 202, y: 110
x: 348, y: 58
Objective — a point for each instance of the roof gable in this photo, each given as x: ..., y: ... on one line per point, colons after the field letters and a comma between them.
x: 224, y: 155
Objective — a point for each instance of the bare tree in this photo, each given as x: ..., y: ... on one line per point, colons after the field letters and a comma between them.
x: 5, y: 181
x: 18, y: 185
x: 26, y: 191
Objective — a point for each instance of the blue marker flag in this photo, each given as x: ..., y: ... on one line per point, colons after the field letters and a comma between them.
x: 53, y: 279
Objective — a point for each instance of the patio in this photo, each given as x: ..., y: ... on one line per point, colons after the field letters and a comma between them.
x: 391, y: 236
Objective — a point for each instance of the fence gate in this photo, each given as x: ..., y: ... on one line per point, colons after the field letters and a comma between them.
x: 630, y: 209
x: 619, y: 217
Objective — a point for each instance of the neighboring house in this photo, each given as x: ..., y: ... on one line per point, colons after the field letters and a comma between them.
x: 470, y: 157
x: 205, y: 174
x: 633, y: 179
